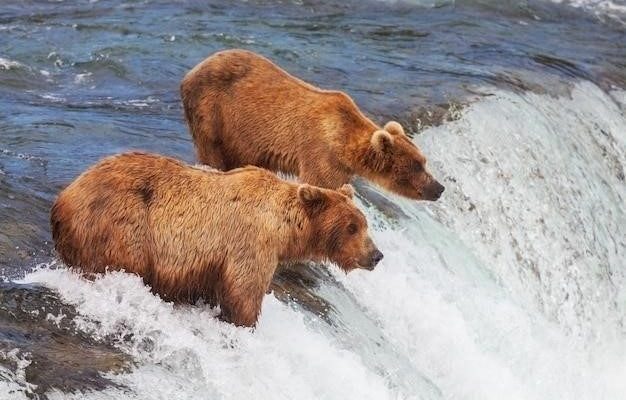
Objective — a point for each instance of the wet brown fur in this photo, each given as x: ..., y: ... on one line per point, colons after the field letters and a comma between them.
x: 244, y: 110
x: 196, y: 233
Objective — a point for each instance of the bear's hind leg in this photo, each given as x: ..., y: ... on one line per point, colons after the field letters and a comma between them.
x: 207, y: 132
x: 211, y: 154
x: 323, y: 176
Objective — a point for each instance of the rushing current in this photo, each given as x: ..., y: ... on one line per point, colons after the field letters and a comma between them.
x: 511, y: 286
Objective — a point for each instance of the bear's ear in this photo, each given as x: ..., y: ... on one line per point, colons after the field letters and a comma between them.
x: 382, y: 141
x: 312, y: 197
x: 347, y: 190
x: 394, y: 128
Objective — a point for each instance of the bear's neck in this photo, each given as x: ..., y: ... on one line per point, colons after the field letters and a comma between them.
x: 364, y: 161
x: 296, y: 243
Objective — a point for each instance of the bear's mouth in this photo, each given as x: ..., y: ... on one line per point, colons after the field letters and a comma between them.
x: 350, y: 265
x: 369, y: 266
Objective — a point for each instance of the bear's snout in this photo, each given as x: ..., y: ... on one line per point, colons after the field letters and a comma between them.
x: 373, y: 259
x: 377, y: 255
x: 433, y: 191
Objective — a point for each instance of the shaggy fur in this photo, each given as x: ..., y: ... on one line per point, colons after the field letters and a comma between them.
x: 244, y: 110
x: 193, y: 233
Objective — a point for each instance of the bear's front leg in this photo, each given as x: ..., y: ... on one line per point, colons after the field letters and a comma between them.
x: 241, y: 312
x: 242, y: 292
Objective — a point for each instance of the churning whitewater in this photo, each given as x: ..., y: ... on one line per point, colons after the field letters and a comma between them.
x: 511, y: 287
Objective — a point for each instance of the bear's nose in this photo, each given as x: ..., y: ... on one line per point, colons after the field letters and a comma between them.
x: 377, y: 256
x: 434, y: 191
x: 440, y: 189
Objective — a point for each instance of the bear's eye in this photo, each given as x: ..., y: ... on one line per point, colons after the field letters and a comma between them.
x: 352, y: 228
x: 417, y: 167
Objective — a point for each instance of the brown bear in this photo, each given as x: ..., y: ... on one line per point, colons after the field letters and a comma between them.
x: 244, y: 110
x: 192, y: 233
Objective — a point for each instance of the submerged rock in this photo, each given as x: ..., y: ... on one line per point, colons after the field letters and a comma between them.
x: 297, y: 282
x: 38, y: 336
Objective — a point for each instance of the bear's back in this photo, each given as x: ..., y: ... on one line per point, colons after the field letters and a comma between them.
x: 225, y: 68
x: 130, y: 205
x: 138, y: 179
x: 100, y: 219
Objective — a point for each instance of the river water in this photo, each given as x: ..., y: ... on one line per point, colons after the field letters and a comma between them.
x: 512, y: 286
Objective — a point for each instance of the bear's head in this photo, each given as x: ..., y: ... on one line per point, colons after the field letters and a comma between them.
x: 338, y: 228
x: 395, y: 163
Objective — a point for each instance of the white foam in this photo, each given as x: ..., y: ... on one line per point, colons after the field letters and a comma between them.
x: 13, y: 384
x: 7, y: 64
x: 603, y: 9
x: 544, y: 178
x: 186, y: 353
x: 83, y: 78
x: 52, y: 97
x: 138, y: 103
